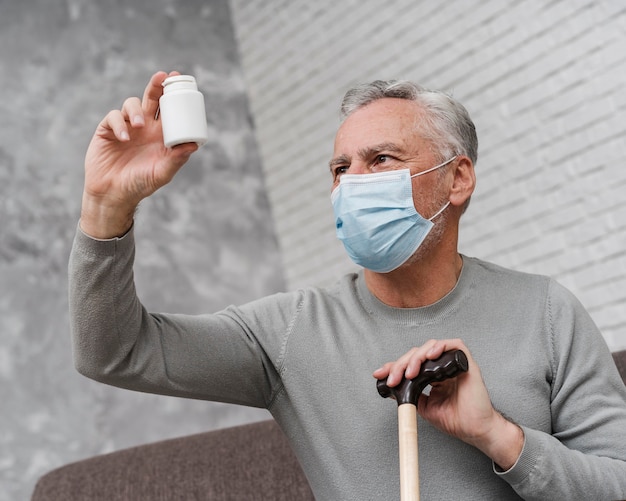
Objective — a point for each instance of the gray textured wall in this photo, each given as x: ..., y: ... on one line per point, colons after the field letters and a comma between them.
x: 204, y: 241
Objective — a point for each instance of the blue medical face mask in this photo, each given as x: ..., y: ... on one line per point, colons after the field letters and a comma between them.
x: 376, y: 220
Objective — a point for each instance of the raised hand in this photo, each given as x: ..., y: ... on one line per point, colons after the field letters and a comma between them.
x: 126, y: 162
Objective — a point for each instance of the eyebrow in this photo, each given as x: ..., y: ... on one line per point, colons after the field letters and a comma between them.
x: 365, y: 153
x: 340, y: 160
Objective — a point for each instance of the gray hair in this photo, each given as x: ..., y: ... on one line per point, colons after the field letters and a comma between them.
x: 446, y: 122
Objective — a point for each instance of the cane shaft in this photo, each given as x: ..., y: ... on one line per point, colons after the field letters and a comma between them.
x: 409, y: 466
x: 450, y: 364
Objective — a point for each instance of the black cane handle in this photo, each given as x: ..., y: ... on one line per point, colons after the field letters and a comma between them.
x: 447, y: 366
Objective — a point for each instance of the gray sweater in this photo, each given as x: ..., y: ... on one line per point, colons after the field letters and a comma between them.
x: 308, y: 357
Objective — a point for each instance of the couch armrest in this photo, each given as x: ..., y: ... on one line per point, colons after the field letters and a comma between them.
x: 252, y: 461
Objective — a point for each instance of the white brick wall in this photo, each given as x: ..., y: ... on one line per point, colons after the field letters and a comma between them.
x: 545, y: 83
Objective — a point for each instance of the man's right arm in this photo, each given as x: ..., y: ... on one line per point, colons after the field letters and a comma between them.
x: 116, y: 341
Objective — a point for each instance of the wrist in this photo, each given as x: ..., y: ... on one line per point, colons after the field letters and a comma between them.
x: 504, y: 444
x: 103, y: 220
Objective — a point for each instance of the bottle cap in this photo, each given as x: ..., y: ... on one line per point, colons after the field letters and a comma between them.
x: 179, y: 82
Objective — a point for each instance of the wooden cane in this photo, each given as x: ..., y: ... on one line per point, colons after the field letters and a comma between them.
x: 406, y: 394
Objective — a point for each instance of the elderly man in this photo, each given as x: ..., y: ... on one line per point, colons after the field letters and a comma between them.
x: 541, y: 412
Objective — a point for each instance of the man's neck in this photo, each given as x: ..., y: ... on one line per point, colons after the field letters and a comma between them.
x: 417, y: 284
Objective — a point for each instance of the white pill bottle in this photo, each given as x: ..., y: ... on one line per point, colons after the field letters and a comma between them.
x: 183, y: 116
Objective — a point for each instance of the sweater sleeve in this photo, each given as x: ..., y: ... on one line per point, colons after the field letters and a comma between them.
x: 585, y: 455
x: 116, y: 341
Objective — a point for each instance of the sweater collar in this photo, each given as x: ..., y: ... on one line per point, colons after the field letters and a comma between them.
x: 422, y: 315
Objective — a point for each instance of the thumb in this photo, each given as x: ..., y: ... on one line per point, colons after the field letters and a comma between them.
x: 176, y: 158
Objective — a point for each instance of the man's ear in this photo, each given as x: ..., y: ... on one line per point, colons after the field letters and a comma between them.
x: 463, y: 182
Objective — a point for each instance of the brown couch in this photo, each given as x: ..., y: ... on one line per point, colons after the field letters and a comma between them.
x: 249, y: 462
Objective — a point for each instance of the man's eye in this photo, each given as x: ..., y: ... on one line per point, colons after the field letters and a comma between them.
x: 340, y: 170
x: 381, y: 159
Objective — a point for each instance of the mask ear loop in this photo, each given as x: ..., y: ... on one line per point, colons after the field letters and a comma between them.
x: 440, y: 211
x: 435, y: 167
x: 430, y: 170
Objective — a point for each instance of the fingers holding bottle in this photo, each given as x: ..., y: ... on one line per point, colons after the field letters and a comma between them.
x: 115, y: 126
x: 127, y: 161
x: 153, y: 92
